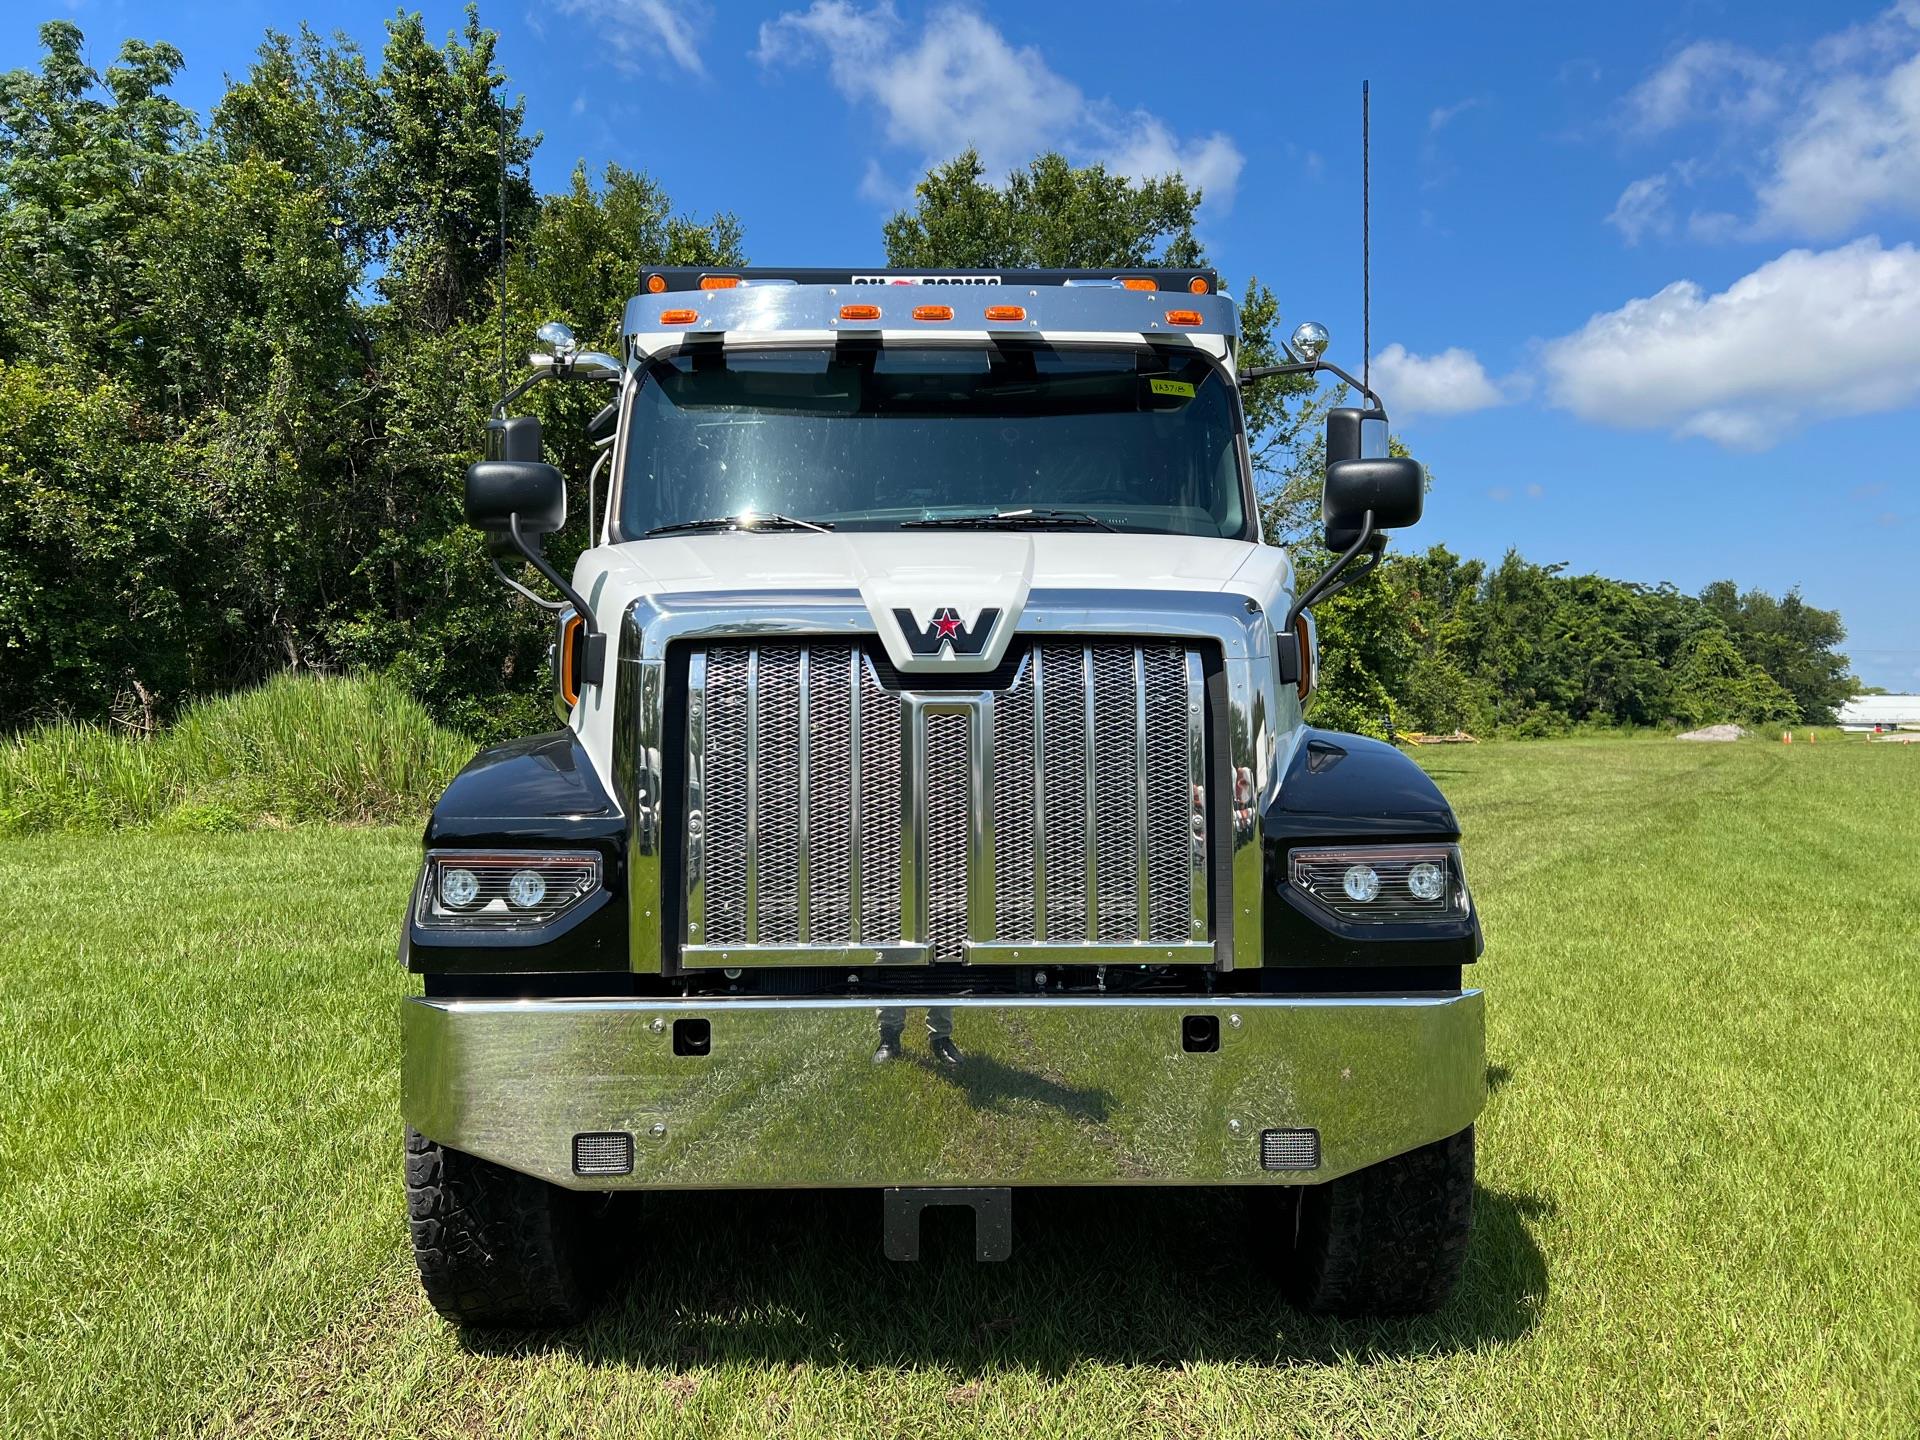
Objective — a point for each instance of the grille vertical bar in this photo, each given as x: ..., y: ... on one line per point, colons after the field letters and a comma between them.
x: 726, y: 795
x: 1064, y: 738
x: 1015, y: 802
x: 1116, y: 776
x: 949, y: 752
x: 830, y: 813
x: 881, y: 787
x: 778, y: 796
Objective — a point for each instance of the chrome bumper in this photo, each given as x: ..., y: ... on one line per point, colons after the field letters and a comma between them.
x: 1049, y: 1091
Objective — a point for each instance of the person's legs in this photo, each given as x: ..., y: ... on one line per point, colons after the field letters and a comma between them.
x: 892, y: 1020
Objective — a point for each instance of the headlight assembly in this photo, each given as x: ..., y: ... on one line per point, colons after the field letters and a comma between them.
x: 1383, y: 884
x: 487, y: 890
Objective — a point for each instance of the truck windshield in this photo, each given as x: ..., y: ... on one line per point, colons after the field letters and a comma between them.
x: 1141, y: 439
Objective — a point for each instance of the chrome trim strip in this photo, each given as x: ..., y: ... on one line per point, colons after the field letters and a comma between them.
x: 1073, y: 952
x: 695, y: 893
x: 1197, y: 778
x: 727, y: 957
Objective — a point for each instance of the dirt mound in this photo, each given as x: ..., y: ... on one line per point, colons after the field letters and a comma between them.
x: 1715, y: 732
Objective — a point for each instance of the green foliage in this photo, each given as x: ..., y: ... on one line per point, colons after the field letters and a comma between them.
x: 292, y: 751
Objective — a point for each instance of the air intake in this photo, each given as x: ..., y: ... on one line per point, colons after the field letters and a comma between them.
x: 1290, y: 1149
x: 608, y: 1152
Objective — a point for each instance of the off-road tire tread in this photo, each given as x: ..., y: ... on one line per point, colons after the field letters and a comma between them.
x: 1387, y: 1240
x: 495, y: 1248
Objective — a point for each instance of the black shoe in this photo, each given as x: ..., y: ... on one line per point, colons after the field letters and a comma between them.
x: 944, y: 1050
x: 889, y: 1049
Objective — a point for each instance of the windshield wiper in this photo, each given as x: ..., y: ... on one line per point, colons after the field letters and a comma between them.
x: 747, y: 521
x: 1012, y: 520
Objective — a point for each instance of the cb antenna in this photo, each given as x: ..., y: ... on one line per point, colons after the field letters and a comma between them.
x: 1366, y: 247
x: 503, y: 244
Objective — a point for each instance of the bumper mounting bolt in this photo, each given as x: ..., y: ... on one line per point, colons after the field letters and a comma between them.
x: 658, y: 1130
x: 1234, y: 1126
x: 658, y: 1025
x: 1234, y: 1021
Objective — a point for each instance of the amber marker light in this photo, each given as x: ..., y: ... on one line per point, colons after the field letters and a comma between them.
x: 1183, y: 317
x: 1138, y: 282
x: 933, y: 312
x: 719, y: 282
x: 679, y: 317
x: 656, y: 284
x: 1198, y: 285
x: 859, y: 312
x: 1006, y: 312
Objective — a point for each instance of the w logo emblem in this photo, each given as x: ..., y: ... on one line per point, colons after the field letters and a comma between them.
x: 946, y: 631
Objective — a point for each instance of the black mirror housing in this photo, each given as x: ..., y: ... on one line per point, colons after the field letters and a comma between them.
x: 1394, y: 489
x: 529, y: 490
x: 513, y: 437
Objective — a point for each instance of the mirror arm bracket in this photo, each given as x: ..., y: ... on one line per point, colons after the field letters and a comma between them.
x: 1310, y: 367
x: 596, y: 646
x: 1335, y: 579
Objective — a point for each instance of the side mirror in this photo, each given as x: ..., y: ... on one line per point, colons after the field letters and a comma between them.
x: 529, y: 491
x: 1394, y: 489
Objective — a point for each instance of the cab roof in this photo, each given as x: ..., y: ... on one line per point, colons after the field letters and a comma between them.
x: 760, y: 304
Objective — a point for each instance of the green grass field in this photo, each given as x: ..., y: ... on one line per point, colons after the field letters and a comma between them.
x: 1699, y: 1211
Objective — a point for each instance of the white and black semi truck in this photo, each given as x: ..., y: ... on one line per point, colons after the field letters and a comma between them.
x: 935, y: 809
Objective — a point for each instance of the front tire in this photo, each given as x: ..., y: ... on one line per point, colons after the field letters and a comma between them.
x: 497, y: 1248
x: 1387, y: 1240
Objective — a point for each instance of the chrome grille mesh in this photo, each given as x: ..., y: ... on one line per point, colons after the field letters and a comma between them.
x: 948, y: 764
x: 1116, y: 780
x: 1063, y: 740
x: 1015, y: 793
x: 829, y: 766
x: 839, y: 813
x: 777, y: 891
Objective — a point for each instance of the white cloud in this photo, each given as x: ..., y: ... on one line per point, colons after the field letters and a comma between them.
x: 1642, y: 209
x: 1852, y: 150
x: 1807, y: 335
x: 1709, y: 78
x: 960, y: 82
x: 1449, y: 383
x: 1827, y: 137
x: 639, y: 32
x: 1444, y: 115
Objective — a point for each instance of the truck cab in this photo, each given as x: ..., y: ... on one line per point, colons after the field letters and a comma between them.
x: 935, y: 808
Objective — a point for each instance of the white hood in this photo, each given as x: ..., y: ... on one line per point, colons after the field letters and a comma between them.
x: 927, y: 574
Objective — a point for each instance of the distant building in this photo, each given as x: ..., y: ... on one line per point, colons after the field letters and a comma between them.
x: 1885, y: 712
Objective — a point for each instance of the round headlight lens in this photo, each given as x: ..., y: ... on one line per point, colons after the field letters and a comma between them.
x: 458, y: 888
x: 1361, y: 882
x: 526, y: 889
x: 1427, y: 881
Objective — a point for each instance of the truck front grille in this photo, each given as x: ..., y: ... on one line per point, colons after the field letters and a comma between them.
x: 831, y: 819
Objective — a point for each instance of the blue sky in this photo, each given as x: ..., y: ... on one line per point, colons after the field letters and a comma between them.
x: 1646, y: 279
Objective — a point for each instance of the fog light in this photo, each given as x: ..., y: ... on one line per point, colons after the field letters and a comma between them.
x: 1361, y: 882
x: 1427, y: 881
x: 458, y: 888
x: 526, y: 889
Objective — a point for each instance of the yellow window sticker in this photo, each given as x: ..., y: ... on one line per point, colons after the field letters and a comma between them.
x: 1171, y: 387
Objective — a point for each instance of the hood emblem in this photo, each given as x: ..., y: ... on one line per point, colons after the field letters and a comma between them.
x: 946, y: 632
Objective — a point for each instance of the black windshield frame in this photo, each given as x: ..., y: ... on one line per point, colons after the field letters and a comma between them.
x: 1228, y: 433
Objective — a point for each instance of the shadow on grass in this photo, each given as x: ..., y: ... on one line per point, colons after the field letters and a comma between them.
x: 1128, y: 1276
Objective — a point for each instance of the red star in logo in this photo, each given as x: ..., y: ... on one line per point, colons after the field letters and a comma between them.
x: 947, y: 623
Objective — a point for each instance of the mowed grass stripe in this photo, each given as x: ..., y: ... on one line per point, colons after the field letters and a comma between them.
x: 1697, y: 1210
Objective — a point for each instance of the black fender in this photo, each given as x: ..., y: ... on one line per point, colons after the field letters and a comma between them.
x: 538, y: 793
x: 1350, y: 790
